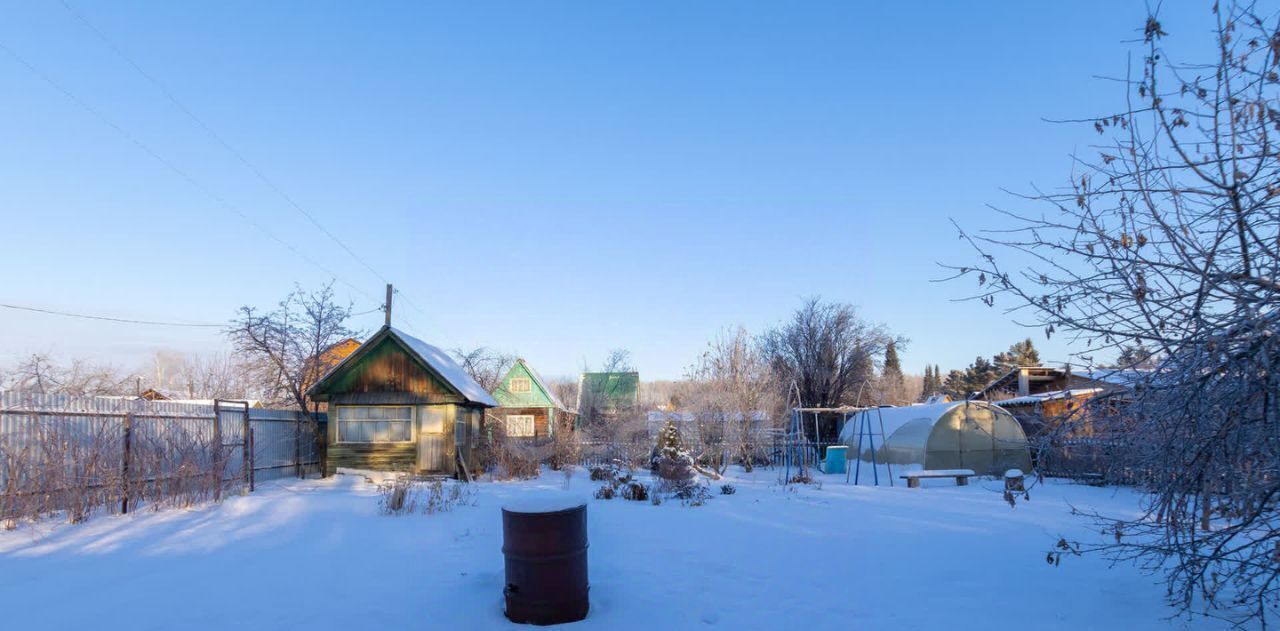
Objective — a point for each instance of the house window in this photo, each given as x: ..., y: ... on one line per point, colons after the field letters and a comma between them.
x: 521, y: 385
x: 375, y: 424
x: 520, y: 425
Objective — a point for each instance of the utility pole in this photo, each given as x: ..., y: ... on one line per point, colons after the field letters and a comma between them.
x: 387, y: 307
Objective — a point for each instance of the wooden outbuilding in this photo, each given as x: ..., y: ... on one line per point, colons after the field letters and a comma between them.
x: 400, y: 404
x: 1041, y: 397
x: 528, y: 408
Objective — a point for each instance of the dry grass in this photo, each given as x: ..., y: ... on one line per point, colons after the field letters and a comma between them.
x: 409, y: 495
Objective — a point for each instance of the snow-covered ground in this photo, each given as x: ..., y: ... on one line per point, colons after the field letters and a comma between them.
x: 316, y: 554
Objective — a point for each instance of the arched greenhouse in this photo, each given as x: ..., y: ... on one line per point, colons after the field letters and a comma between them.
x: 959, y: 435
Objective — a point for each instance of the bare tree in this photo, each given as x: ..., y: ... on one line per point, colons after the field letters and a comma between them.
x: 40, y: 373
x: 485, y: 365
x: 565, y: 389
x: 196, y: 376
x: 608, y: 410
x: 1168, y: 237
x: 598, y: 401
x: 285, y: 346
x: 828, y: 354
x: 732, y: 392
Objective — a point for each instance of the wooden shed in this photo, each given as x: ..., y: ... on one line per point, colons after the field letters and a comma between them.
x: 528, y: 408
x: 400, y: 404
x: 1042, y: 397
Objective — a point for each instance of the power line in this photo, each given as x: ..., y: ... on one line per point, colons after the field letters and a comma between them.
x: 216, y: 136
x: 110, y: 319
x: 221, y: 201
x: 173, y: 99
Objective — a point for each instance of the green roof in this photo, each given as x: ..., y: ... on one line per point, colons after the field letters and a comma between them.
x: 611, y: 389
x: 539, y: 394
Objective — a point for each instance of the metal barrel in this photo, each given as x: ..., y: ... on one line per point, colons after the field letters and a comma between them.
x: 546, y: 562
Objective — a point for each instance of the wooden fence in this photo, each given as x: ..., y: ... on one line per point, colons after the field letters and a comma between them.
x: 86, y: 454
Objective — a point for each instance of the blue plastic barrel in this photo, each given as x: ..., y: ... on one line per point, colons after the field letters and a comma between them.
x: 835, y: 459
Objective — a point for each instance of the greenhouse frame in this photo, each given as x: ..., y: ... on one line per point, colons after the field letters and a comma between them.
x: 957, y: 435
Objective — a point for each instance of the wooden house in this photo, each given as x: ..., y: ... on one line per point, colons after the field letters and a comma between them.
x: 1041, y: 397
x: 527, y: 407
x: 400, y: 404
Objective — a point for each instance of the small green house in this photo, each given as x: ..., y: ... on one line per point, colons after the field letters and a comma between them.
x: 400, y: 404
x: 527, y: 407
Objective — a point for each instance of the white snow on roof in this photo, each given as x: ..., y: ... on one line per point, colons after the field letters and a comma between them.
x: 1117, y: 376
x: 1048, y: 396
x: 552, y: 504
x: 894, y: 418
x: 447, y: 368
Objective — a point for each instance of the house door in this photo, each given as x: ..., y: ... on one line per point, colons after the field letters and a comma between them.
x: 431, y: 437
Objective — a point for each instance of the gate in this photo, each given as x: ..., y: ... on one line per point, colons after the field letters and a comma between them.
x: 234, y: 460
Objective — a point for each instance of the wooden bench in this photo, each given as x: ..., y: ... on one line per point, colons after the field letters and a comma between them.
x: 961, y: 475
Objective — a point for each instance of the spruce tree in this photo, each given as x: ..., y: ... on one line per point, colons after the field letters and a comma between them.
x: 673, y: 462
x: 891, y: 379
x: 1022, y: 353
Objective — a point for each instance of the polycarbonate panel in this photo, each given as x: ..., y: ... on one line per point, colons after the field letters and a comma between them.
x: 973, y: 435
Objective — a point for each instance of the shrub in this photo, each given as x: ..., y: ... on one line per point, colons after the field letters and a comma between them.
x: 604, y: 472
x: 635, y: 492
x: 727, y: 489
x: 625, y: 486
x: 690, y: 493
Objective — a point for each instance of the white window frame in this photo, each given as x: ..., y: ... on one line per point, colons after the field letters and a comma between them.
x: 412, y: 420
x: 511, y: 421
x: 526, y: 382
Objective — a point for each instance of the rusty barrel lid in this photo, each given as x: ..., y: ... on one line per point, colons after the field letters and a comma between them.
x: 545, y: 504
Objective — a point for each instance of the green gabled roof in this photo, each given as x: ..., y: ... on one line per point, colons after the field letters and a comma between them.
x: 540, y: 395
x: 616, y: 389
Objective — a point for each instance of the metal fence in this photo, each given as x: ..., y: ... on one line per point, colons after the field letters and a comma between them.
x: 1091, y: 460
x: 83, y: 454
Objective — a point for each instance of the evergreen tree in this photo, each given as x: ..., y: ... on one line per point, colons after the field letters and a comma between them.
x: 1022, y: 353
x: 932, y: 382
x: 1137, y: 357
x: 956, y: 385
x: 892, y: 382
x: 672, y: 461
x: 959, y: 384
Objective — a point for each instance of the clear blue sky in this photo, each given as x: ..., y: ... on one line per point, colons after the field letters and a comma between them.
x: 552, y: 179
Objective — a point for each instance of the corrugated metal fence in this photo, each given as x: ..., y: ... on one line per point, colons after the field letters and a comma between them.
x: 84, y: 454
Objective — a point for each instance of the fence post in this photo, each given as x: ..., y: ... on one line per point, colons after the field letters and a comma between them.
x: 297, y: 444
x: 246, y: 452
x: 217, y: 452
x: 124, y: 461
x: 250, y: 465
